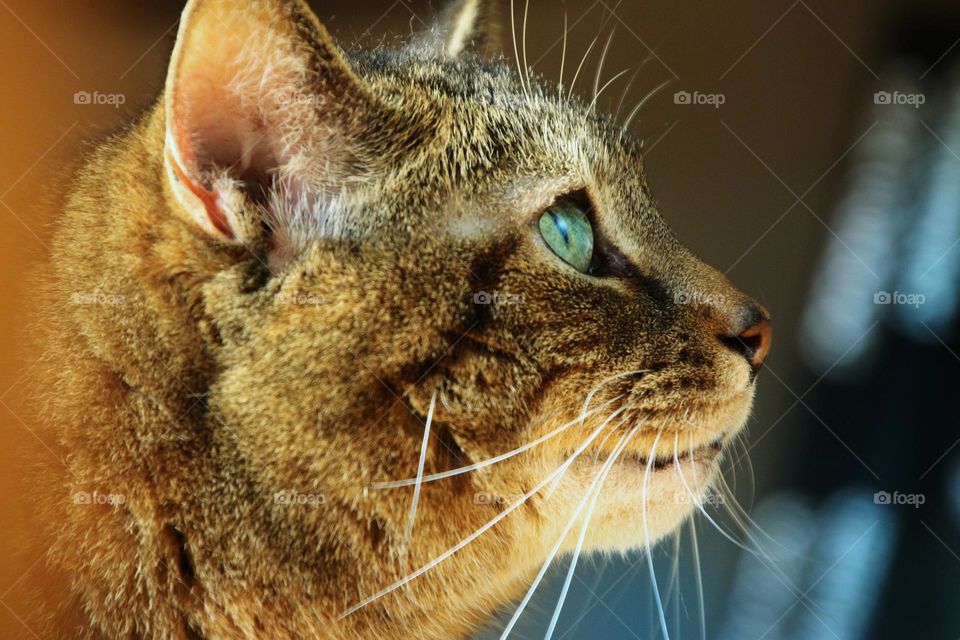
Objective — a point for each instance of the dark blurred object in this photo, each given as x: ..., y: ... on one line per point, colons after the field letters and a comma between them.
x: 880, y: 338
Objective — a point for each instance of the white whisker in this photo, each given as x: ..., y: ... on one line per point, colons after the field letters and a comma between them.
x: 626, y: 90
x: 479, y: 532
x: 758, y: 553
x: 516, y: 52
x: 742, y: 518
x: 563, y: 56
x: 603, y: 58
x: 599, y: 478
x: 646, y: 534
x: 604, y: 87
x: 602, y: 383
x: 393, y: 484
x: 423, y: 457
x: 556, y: 483
x: 580, y: 66
x: 526, y: 67
x: 643, y: 101
x: 608, y: 465
x: 698, y: 577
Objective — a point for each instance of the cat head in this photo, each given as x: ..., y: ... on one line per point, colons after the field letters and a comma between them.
x: 434, y: 261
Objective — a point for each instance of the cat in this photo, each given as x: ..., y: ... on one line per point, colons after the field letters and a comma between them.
x: 348, y: 345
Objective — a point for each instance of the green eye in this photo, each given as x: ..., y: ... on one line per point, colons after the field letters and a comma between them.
x: 567, y: 231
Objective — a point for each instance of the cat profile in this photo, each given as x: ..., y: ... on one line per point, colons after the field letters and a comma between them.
x: 349, y: 344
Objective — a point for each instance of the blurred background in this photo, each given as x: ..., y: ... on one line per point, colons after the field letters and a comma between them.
x: 808, y: 149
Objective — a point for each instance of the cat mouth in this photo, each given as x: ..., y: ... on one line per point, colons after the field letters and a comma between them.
x: 637, y: 458
x: 641, y: 460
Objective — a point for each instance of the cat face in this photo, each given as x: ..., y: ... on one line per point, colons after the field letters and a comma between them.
x: 438, y: 263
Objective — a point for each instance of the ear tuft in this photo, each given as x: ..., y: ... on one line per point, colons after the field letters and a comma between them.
x: 467, y: 25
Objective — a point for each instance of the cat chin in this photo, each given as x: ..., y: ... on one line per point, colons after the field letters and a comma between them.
x: 671, y: 492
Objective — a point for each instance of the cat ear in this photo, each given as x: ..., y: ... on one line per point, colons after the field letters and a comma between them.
x: 467, y: 25
x: 255, y: 90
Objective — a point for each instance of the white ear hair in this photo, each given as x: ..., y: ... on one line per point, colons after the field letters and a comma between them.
x: 254, y: 90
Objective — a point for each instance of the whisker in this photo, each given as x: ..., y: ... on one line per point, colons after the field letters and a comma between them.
x: 643, y: 63
x: 608, y: 465
x: 479, y: 532
x: 563, y: 55
x: 646, y: 535
x: 526, y: 67
x: 604, y: 87
x: 698, y: 577
x: 423, y: 458
x: 758, y: 553
x: 643, y: 101
x: 599, y: 478
x: 516, y: 53
x: 675, y: 581
x: 745, y: 458
x: 553, y: 486
x: 576, y: 75
x: 586, y: 404
x: 700, y: 506
x: 602, y: 383
x: 626, y: 90
x: 603, y: 58
x: 742, y: 518
x: 393, y: 484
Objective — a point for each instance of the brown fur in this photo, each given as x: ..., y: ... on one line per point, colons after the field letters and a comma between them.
x: 198, y: 373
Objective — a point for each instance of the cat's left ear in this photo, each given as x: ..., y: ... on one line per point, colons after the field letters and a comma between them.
x: 467, y: 25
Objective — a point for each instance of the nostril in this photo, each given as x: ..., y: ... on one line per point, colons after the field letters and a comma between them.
x: 753, y: 343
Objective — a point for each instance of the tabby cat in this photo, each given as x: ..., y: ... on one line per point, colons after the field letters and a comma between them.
x: 349, y: 345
